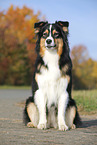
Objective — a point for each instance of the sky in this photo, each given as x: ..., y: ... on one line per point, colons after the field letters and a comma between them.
x: 81, y: 15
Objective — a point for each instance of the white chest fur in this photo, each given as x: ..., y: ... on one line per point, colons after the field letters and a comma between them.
x: 50, y: 81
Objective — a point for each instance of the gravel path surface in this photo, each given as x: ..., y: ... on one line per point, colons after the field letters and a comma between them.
x: 13, y: 131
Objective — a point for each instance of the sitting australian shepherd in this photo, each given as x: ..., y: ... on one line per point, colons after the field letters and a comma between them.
x: 51, y: 104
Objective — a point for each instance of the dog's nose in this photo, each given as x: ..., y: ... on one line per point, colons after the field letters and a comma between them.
x: 48, y: 41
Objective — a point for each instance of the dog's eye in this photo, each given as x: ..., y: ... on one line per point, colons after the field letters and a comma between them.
x: 56, y: 34
x: 45, y: 34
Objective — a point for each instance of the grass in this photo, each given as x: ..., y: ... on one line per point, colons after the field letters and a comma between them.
x: 86, y: 101
x: 15, y: 87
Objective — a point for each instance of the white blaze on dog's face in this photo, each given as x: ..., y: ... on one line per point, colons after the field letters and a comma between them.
x: 49, y: 42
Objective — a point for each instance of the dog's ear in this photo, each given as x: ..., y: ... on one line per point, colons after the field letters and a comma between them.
x: 39, y: 25
x: 64, y: 25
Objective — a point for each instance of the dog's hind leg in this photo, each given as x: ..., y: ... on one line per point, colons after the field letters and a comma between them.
x: 70, y: 116
x: 33, y: 115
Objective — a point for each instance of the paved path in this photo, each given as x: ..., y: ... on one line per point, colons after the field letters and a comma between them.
x: 13, y: 131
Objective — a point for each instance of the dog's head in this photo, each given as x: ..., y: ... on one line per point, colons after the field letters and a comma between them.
x: 52, y: 37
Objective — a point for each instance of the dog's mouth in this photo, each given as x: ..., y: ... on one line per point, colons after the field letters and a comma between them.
x: 50, y: 46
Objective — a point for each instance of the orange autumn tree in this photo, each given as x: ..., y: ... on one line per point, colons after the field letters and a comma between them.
x: 84, y: 69
x: 17, y: 45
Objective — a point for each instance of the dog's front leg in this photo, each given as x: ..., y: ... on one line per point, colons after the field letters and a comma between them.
x: 62, y: 104
x: 40, y: 101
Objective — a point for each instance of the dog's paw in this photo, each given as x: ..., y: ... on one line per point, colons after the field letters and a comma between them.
x: 30, y: 124
x: 63, y: 127
x: 41, y: 126
x: 73, y: 126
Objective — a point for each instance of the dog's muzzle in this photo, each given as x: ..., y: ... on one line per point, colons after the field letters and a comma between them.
x: 49, y: 43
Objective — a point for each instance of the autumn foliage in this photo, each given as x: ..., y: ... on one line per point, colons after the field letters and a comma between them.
x: 17, y: 43
x: 17, y: 51
x: 84, y: 69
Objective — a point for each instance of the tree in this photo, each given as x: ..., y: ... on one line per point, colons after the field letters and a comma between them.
x: 17, y: 45
x: 84, y: 69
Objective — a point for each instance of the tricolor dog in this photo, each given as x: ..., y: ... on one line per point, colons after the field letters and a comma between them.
x: 51, y: 103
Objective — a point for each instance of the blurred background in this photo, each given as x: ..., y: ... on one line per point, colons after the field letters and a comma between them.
x: 17, y: 39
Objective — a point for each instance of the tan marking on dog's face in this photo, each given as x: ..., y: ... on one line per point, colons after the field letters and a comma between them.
x: 59, y: 44
x: 54, y: 31
x: 46, y: 31
x: 42, y: 47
